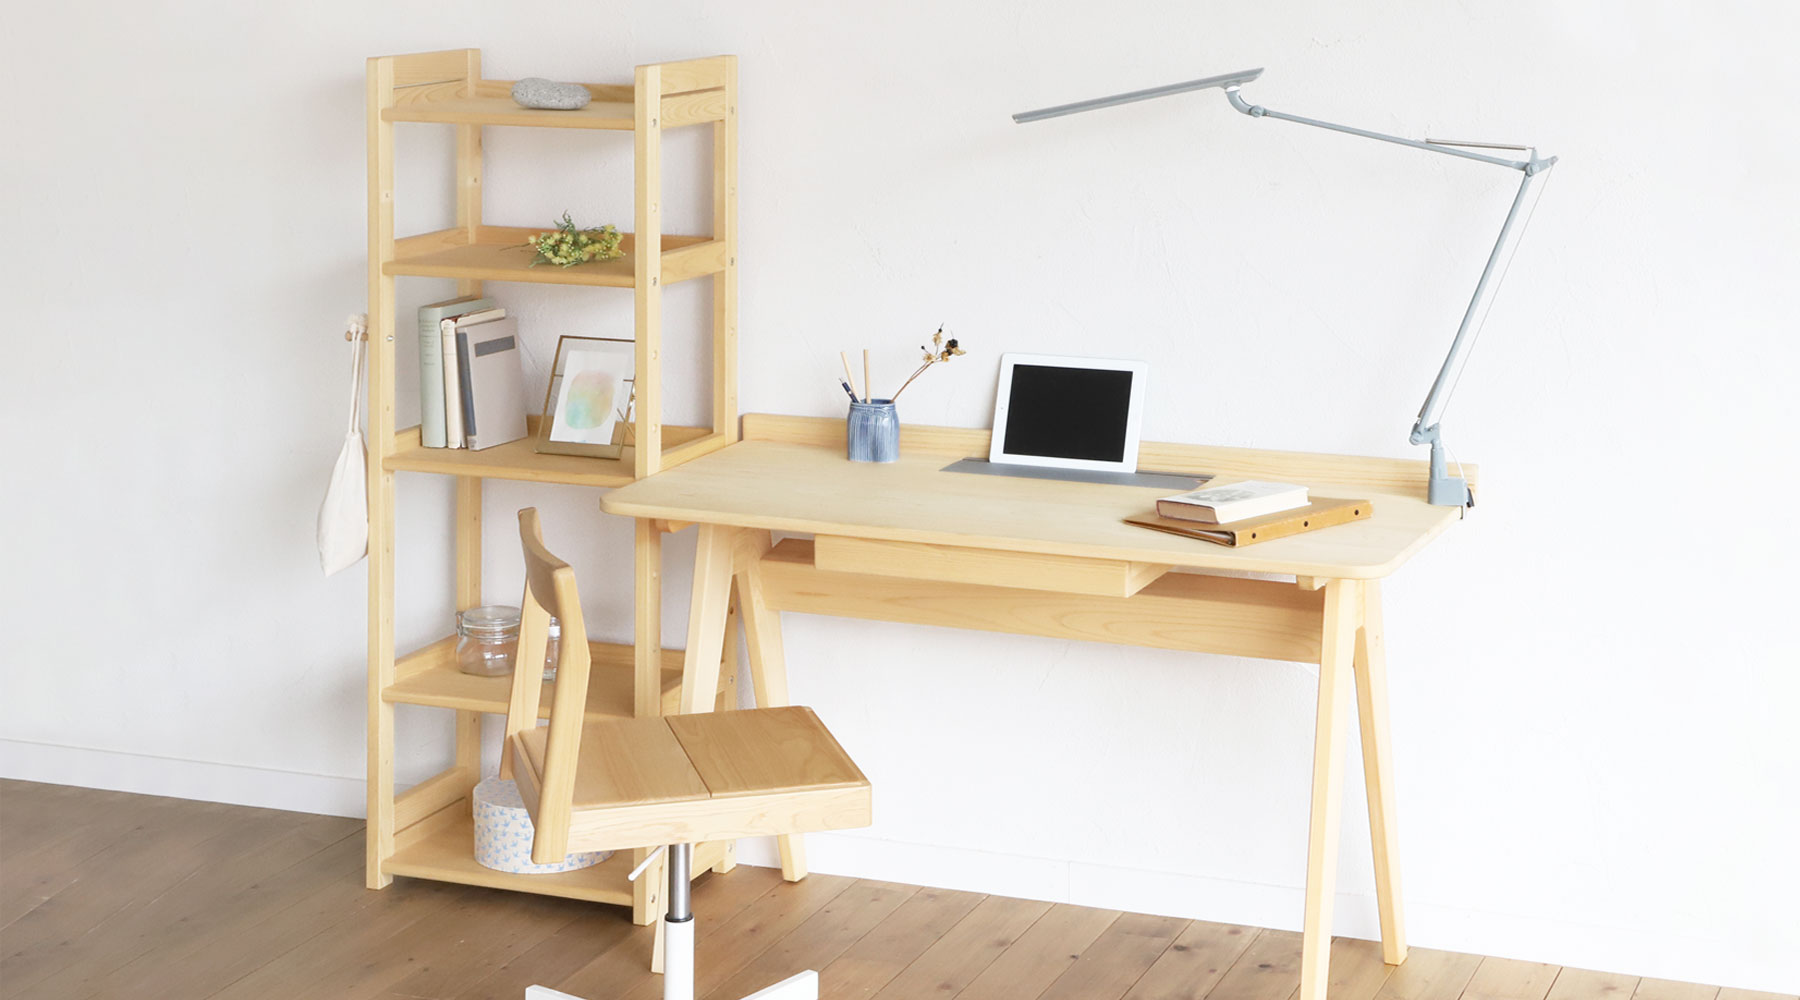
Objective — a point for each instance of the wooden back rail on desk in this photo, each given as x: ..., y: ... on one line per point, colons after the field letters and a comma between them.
x: 908, y: 542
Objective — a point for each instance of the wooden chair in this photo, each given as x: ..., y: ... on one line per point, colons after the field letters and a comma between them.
x: 620, y: 784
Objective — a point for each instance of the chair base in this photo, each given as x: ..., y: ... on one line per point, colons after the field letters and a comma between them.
x: 678, y: 945
x: 804, y: 986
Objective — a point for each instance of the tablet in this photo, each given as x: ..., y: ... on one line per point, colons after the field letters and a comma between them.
x: 1068, y: 413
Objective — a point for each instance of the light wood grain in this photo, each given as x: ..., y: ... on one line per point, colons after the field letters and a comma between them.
x: 1378, y: 771
x: 379, y: 137
x: 985, y: 567
x: 1397, y: 476
x: 499, y: 253
x: 1183, y: 611
x: 1589, y: 984
x: 421, y: 69
x: 429, y: 676
x: 517, y: 461
x: 647, y: 271
x: 1343, y: 600
x: 814, y: 490
x: 768, y: 750
x: 1112, y: 965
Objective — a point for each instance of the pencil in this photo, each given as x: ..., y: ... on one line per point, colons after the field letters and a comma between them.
x: 868, y: 386
x: 849, y: 376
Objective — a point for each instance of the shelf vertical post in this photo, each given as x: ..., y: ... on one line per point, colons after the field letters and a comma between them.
x: 468, y: 488
x: 648, y: 269
x: 725, y: 283
x: 380, y: 139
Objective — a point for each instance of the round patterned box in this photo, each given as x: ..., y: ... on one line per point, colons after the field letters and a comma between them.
x: 503, y: 833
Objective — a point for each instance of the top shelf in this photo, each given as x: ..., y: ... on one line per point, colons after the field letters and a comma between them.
x: 613, y: 106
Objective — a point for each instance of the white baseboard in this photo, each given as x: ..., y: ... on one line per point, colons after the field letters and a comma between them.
x: 1767, y: 962
x: 183, y: 779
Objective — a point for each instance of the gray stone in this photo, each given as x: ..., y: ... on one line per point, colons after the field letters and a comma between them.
x: 537, y: 92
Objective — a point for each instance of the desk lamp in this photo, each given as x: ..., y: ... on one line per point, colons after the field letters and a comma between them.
x: 1443, y: 490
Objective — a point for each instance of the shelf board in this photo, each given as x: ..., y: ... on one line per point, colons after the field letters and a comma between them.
x: 447, y: 854
x: 429, y: 677
x: 517, y: 460
x: 498, y: 253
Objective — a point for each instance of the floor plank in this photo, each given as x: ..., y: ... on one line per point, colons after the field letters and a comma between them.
x: 1118, y: 959
x: 207, y: 902
x: 108, y: 896
x: 1510, y: 979
x: 1194, y: 964
x: 837, y: 926
x: 1734, y: 994
x: 739, y: 941
x: 1357, y: 971
x: 1041, y: 954
x: 1668, y: 989
x: 1585, y: 984
x: 1430, y: 975
x: 966, y: 950
x: 883, y: 953
x: 726, y: 900
x: 1269, y: 969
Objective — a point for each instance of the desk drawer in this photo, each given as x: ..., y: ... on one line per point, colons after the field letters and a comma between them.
x: 989, y: 567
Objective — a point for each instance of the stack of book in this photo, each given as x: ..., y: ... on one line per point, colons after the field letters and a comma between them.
x: 471, y: 382
x: 1247, y: 512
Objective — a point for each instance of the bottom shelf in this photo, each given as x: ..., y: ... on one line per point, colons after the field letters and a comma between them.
x: 447, y: 854
x: 441, y: 847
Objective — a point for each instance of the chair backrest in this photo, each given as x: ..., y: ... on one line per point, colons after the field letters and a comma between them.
x: 549, y: 590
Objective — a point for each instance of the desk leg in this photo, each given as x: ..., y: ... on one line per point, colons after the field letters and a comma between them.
x: 768, y: 663
x: 1337, y: 650
x: 1378, y: 772
x: 706, y: 619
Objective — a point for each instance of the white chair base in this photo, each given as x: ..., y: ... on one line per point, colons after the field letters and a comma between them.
x: 678, y: 948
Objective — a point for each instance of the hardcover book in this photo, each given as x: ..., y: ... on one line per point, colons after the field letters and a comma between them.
x: 1227, y: 502
x: 431, y: 363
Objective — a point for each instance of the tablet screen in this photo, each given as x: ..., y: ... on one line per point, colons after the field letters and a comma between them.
x: 1078, y: 413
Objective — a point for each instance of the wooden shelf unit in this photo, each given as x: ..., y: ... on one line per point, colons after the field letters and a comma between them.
x: 426, y: 832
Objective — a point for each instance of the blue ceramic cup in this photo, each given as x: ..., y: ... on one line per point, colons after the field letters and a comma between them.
x: 873, y: 431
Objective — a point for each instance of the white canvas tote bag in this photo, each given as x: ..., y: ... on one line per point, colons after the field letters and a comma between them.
x: 344, y: 516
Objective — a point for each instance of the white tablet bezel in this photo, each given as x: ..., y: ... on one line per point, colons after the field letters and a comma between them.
x: 1134, y: 416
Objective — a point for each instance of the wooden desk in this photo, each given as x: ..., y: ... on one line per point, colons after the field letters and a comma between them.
x: 907, y: 542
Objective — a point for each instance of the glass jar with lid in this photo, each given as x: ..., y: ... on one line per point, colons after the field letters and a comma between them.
x: 487, y: 640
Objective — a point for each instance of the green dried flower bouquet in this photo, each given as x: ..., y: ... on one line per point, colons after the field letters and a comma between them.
x: 566, y: 246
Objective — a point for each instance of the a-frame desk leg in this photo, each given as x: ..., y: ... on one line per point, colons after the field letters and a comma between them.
x: 721, y: 554
x: 768, y: 662
x: 1336, y: 653
x: 1378, y: 772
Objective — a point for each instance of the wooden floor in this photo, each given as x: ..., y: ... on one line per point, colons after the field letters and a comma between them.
x: 105, y: 894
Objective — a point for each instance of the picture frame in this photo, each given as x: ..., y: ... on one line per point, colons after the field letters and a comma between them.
x: 590, y: 402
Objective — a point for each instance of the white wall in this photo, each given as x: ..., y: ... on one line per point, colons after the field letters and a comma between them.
x: 1593, y: 677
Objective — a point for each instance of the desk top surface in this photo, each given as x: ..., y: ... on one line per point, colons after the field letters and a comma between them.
x: 810, y: 488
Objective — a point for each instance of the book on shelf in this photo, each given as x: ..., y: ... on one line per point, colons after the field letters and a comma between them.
x: 493, y: 382
x: 431, y: 363
x: 1228, y: 502
x: 1320, y: 512
x: 453, y: 380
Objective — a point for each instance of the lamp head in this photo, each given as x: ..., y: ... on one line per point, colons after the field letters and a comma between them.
x: 1230, y: 81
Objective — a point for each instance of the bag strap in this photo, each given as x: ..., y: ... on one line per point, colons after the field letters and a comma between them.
x: 356, y: 331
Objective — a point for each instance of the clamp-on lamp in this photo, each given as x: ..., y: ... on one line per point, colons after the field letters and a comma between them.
x: 1444, y: 489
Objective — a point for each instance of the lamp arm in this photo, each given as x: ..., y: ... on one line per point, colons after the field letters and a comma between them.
x: 1442, y: 489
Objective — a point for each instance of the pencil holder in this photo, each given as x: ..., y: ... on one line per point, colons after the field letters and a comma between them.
x: 872, y: 431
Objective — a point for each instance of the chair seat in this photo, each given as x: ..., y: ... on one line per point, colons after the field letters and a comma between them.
x: 683, y: 779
